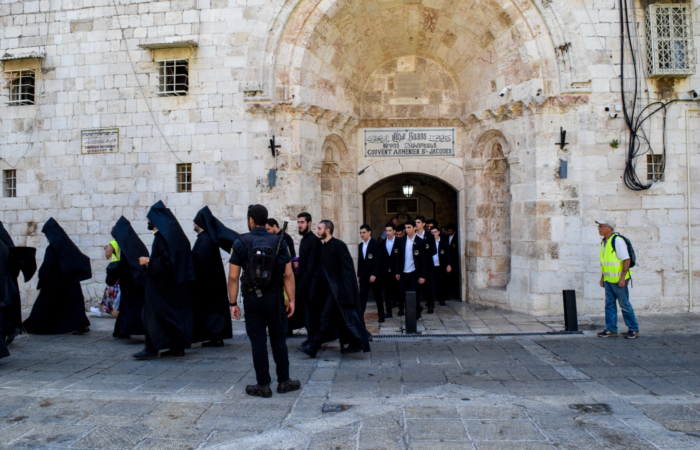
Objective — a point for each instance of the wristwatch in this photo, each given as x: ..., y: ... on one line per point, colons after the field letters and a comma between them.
x: 232, y: 304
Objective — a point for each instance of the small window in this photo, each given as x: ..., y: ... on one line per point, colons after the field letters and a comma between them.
x: 655, y: 167
x: 669, y: 34
x: 21, y: 84
x: 10, y: 183
x: 173, y: 77
x: 184, y: 177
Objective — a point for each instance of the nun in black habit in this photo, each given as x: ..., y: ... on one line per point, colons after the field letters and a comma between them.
x: 20, y: 259
x: 132, y: 279
x: 342, y: 311
x: 212, y: 315
x: 167, y: 311
x: 60, y: 306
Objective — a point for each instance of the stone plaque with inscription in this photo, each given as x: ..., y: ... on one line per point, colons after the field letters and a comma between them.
x: 409, y: 142
x: 99, y: 141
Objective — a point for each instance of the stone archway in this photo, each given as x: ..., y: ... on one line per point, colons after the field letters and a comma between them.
x: 338, y: 182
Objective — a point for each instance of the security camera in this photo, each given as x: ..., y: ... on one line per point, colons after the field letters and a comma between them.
x: 613, y: 115
x: 693, y: 93
x: 505, y: 91
x: 608, y: 108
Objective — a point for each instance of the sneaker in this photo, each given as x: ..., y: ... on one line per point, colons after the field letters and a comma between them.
x: 95, y: 311
x: 632, y: 334
x: 288, y: 386
x: 258, y: 391
x: 607, y: 333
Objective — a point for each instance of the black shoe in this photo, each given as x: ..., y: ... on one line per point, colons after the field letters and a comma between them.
x: 394, y: 304
x: 431, y: 310
x: 401, y: 313
x: 218, y: 343
x: 307, y: 349
x: 146, y: 354
x: 288, y: 386
x: 632, y: 335
x: 351, y: 350
x: 258, y: 391
x: 306, y: 342
x: 388, y: 315
x: 442, y: 303
x: 174, y: 352
x: 381, y: 319
x: 11, y: 337
x: 607, y: 334
x: 122, y: 336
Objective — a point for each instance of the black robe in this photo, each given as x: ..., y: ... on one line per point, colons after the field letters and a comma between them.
x: 60, y: 306
x: 339, y: 279
x: 7, y: 288
x: 167, y: 312
x: 132, y: 279
x: 212, y: 316
x: 21, y: 259
x: 309, y: 255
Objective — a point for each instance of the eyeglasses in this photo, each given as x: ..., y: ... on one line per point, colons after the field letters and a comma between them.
x: 603, y: 225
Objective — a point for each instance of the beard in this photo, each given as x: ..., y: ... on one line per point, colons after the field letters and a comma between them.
x: 323, y: 235
x: 151, y: 227
x: 303, y: 231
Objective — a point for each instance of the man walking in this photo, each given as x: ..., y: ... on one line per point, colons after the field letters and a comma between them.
x: 454, y: 248
x: 272, y: 226
x: 429, y: 250
x: 308, y: 306
x: 442, y: 260
x: 263, y: 300
x: 369, y: 265
x: 410, y: 266
x: 389, y: 257
x: 615, y: 263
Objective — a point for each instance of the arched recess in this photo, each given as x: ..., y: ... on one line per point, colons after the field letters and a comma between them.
x: 338, y: 183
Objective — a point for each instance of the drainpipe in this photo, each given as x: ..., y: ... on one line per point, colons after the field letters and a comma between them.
x: 690, y: 239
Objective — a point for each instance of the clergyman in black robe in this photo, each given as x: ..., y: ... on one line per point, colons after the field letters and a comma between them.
x: 342, y: 311
x: 212, y: 314
x: 308, y: 306
x: 20, y: 259
x: 60, y: 306
x: 132, y: 279
x: 7, y: 288
x: 167, y: 311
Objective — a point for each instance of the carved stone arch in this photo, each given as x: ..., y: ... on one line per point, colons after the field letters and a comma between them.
x: 337, y: 183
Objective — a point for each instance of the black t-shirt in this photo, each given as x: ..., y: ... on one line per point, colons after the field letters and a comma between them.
x: 239, y: 255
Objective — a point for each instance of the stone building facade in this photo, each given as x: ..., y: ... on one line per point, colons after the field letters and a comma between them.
x: 317, y: 74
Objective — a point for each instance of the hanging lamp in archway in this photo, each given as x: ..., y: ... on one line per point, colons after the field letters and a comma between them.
x: 407, y: 188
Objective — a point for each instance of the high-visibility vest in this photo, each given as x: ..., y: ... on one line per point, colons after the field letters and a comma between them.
x: 610, y: 264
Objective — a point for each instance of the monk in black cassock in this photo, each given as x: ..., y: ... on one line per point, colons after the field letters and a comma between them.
x: 212, y: 314
x: 342, y: 310
x: 167, y: 311
x: 7, y: 288
x: 308, y: 306
x: 132, y: 280
x: 21, y: 259
x: 60, y: 306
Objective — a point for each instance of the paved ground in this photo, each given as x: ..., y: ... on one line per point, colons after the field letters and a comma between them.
x: 530, y: 392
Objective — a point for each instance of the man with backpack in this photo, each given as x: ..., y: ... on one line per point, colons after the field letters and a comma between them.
x: 267, y: 270
x: 616, y: 259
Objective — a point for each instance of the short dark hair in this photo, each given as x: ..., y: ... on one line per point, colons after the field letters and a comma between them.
x: 365, y: 227
x: 273, y: 223
x: 410, y: 222
x: 421, y: 218
x: 450, y: 226
x: 329, y: 225
x: 433, y: 222
x: 400, y: 227
x: 306, y: 216
x: 259, y: 214
x: 390, y: 225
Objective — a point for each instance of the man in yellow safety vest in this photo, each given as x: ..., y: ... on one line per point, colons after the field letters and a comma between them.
x: 615, y: 265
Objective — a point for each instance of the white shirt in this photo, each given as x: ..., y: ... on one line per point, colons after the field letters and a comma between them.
x: 389, y: 247
x: 450, y: 239
x: 620, y: 248
x: 408, y: 264
x: 436, y: 258
x: 365, y: 244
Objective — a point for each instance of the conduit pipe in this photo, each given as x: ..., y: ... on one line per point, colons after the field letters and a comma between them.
x: 690, y: 229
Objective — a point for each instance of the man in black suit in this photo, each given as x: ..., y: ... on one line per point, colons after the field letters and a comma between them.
x: 428, y: 289
x: 410, y: 265
x: 442, y: 262
x: 389, y: 257
x: 453, y: 239
x: 369, y: 268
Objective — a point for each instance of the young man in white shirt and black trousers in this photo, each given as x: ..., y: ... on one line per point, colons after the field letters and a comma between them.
x: 369, y: 267
x: 410, y: 266
x: 442, y: 262
x: 429, y: 287
x: 389, y: 257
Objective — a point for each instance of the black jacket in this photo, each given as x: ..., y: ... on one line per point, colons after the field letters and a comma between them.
x: 444, y: 252
x: 420, y: 252
x: 430, y: 240
x: 389, y: 260
x: 371, y: 265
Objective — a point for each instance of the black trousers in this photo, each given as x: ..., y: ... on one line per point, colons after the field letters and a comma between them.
x: 442, y: 283
x: 376, y: 288
x: 428, y: 287
x: 262, y: 316
x: 392, y: 290
x: 331, y: 322
x: 409, y: 282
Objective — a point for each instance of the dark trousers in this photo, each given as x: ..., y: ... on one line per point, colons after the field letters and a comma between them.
x: 392, y: 290
x: 442, y: 283
x: 409, y: 282
x: 428, y: 287
x: 262, y: 316
x: 331, y: 320
x: 376, y: 287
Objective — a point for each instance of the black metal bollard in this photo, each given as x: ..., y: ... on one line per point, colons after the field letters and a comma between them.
x: 570, y: 314
x: 411, y: 313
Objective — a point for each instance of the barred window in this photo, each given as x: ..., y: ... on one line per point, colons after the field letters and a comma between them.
x: 21, y: 84
x: 184, y: 177
x: 655, y: 167
x: 173, y: 77
x: 669, y: 34
x: 10, y: 183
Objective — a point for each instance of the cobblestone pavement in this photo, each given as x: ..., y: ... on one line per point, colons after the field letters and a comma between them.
x: 528, y: 392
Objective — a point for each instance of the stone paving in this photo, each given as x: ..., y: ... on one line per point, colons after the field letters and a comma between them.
x: 523, y: 392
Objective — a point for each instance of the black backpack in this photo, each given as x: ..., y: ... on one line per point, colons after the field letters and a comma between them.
x: 630, y: 249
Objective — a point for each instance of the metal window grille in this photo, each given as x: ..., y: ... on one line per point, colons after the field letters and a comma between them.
x: 655, y: 167
x: 21, y: 84
x: 173, y: 77
x: 184, y: 177
x: 10, y: 183
x: 669, y: 34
